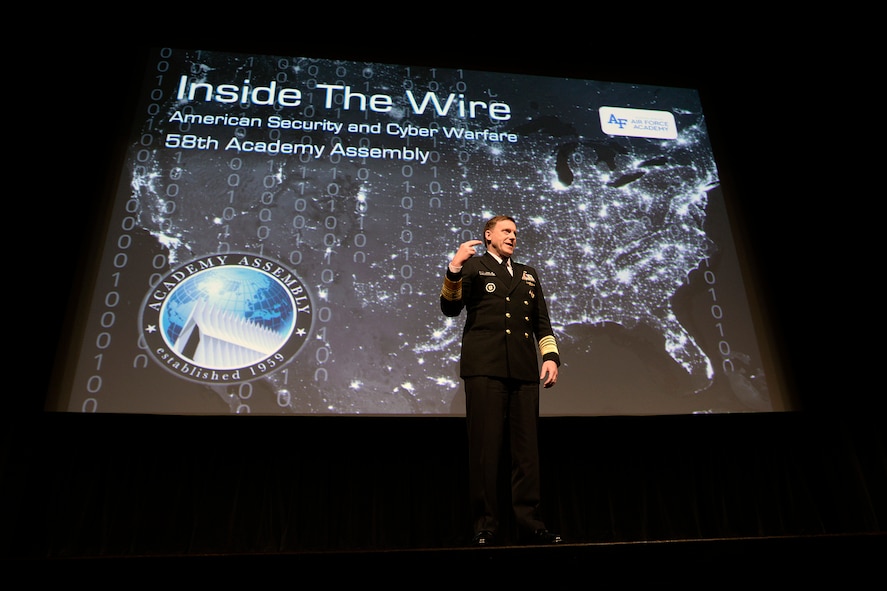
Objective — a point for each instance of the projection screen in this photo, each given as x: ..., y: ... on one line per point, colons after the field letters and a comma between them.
x: 278, y: 235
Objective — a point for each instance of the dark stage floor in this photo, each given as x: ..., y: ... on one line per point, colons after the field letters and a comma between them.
x: 848, y: 559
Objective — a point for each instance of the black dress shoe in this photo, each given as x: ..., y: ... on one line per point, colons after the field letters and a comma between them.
x: 543, y: 536
x: 483, y: 538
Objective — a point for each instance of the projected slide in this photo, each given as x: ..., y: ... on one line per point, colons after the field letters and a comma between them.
x: 278, y: 237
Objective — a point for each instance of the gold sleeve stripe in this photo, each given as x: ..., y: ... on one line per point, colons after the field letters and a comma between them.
x: 548, y: 345
x: 452, y: 290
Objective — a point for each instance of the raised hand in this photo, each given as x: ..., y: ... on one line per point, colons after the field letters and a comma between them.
x: 466, y: 251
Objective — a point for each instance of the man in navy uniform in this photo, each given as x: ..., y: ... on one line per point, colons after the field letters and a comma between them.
x: 506, y: 328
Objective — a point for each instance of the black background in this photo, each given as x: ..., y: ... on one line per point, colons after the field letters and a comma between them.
x: 785, y: 101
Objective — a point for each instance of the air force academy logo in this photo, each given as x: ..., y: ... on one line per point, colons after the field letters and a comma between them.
x: 226, y: 318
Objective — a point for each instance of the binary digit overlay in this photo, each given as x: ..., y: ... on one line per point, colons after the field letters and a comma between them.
x: 280, y: 229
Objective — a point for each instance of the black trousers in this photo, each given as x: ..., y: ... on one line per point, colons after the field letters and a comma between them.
x: 495, y: 408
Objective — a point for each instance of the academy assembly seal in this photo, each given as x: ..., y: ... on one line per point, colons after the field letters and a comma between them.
x: 226, y: 318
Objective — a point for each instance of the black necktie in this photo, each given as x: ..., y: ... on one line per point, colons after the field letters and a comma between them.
x: 505, y: 264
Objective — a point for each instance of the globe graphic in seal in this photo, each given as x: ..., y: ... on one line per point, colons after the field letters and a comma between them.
x: 227, y: 317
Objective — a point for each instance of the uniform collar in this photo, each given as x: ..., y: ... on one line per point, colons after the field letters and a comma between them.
x: 497, y: 257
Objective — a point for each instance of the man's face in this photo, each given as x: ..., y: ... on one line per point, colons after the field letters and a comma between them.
x: 502, y: 237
